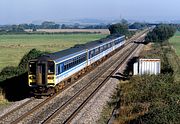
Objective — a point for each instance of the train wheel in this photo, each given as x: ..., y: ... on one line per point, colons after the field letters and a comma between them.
x: 56, y: 89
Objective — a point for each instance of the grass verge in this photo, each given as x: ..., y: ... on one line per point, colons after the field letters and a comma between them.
x: 150, y: 99
x: 3, y: 101
x: 175, y: 42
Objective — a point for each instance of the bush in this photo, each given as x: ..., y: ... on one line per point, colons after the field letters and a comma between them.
x: 12, y: 71
x: 119, y: 28
x: 8, y: 72
x: 160, y: 92
x: 160, y: 33
x: 31, y: 55
x: 152, y: 99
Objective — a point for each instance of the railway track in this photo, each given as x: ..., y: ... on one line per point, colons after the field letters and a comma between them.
x: 55, y: 113
x: 19, y: 111
x: 100, y: 81
x: 39, y: 117
x: 7, y: 118
x: 15, y: 109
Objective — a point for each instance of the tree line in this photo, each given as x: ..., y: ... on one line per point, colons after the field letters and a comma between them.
x: 160, y: 33
x: 121, y: 27
x: 20, y: 28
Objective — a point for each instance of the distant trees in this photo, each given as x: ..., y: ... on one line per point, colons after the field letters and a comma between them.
x: 138, y: 25
x: 177, y: 26
x: 13, y: 29
x: 76, y: 26
x: 49, y: 25
x: 160, y: 33
x: 119, y: 28
x: 34, y: 29
x: 6, y: 29
x: 63, y: 26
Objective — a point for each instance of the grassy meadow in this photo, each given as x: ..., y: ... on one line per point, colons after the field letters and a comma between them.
x: 175, y: 41
x: 13, y: 47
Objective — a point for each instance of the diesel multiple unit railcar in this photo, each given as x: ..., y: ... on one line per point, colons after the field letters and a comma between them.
x: 51, y: 70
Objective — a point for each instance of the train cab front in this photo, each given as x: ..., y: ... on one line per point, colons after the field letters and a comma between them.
x: 41, y: 77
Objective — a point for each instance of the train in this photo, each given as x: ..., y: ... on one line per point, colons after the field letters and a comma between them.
x: 50, y: 72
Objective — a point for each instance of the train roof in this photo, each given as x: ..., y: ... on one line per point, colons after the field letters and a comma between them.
x: 77, y: 49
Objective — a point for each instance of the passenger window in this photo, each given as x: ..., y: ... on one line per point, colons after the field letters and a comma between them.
x: 59, y: 69
x: 91, y: 53
x: 112, y: 44
x: 108, y: 45
x: 96, y: 51
x: 101, y: 49
x: 104, y: 47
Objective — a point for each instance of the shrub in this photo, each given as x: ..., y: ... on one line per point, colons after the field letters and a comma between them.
x: 160, y: 33
x: 119, y: 28
x: 152, y: 99
x: 11, y: 71
x: 8, y: 72
x: 32, y: 54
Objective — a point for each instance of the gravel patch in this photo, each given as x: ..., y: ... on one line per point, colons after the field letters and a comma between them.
x: 24, y: 109
x: 91, y: 112
x: 12, y: 105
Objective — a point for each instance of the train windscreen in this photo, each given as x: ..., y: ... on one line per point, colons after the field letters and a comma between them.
x: 50, y: 67
x: 32, y: 67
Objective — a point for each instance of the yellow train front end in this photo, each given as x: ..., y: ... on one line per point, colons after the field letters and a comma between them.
x: 41, y: 77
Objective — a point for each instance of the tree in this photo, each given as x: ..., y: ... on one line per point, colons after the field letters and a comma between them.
x: 63, y: 26
x: 160, y: 33
x: 34, y: 29
x: 17, y: 29
x: 124, y: 22
x: 138, y: 25
x: 49, y: 25
x: 32, y: 54
x: 119, y: 28
x: 76, y: 26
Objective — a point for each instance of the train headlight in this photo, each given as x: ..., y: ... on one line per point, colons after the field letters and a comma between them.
x: 50, y: 78
x: 32, y: 77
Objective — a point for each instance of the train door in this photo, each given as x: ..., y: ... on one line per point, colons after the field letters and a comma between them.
x: 43, y: 71
x: 42, y: 74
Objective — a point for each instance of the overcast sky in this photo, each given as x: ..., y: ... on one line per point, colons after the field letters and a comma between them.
x: 26, y: 11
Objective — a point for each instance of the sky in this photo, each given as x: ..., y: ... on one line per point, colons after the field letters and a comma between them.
x: 26, y: 11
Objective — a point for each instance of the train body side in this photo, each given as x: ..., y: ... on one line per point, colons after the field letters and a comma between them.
x: 102, y: 50
x: 48, y: 72
x: 87, y: 59
x: 70, y: 66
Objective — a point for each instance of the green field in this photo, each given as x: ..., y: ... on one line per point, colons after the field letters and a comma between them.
x: 175, y: 41
x: 13, y: 47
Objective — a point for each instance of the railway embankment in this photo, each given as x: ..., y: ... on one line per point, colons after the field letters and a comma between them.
x: 148, y: 98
